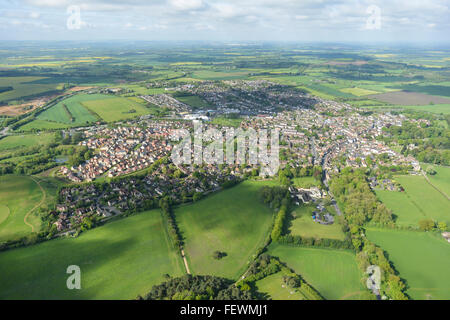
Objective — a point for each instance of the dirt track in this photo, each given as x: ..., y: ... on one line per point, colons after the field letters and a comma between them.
x: 44, y: 196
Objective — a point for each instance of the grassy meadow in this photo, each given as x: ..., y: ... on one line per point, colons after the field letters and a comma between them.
x: 305, y: 182
x: 24, y: 87
x: 441, y: 179
x: 419, y: 201
x: 119, y: 260
x: 77, y: 114
x: 20, y: 196
x: 421, y: 258
x: 333, y: 273
x: 115, y: 108
x: 303, y: 225
x: 25, y: 140
x: 274, y: 288
x: 233, y: 221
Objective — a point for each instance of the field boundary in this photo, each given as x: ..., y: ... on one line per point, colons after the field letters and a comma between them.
x: 436, y: 188
x: 7, y: 216
x: 44, y: 196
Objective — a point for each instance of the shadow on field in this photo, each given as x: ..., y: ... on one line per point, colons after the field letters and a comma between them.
x: 39, y: 271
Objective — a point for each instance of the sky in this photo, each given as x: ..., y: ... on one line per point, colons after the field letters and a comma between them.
x: 227, y: 20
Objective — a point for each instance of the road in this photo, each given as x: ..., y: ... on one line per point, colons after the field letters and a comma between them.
x: 4, y: 131
x: 323, y: 161
x: 185, y: 262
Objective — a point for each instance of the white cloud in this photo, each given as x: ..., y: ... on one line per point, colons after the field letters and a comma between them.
x: 186, y: 4
x: 265, y: 19
x: 35, y: 15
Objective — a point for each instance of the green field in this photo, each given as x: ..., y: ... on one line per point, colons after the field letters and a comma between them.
x: 421, y: 258
x: 407, y: 212
x: 234, y: 221
x: 4, y: 213
x: 227, y: 122
x: 194, y: 101
x: 44, y: 125
x: 419, y: 201
x: 24, y: 87
x: 305, y: 182
x: 119, y: 260
x: 303, y: 225
x: 333, y: 273
x: 358, y: 91
x: 219, y: 75
x: 74, y: 105
x: 116, y: 108
x: 441, y: 179
x: 20, y: 195
x: 275, y: 289
x: 18, y: 141
x: 435, y: 108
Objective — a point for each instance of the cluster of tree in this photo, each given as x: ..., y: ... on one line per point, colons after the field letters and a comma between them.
x: 369, y: 254
x: 432, y: 143
x: 360, y: 204
x: 280, y: 221
x: 38, y: 159
x: 274, y: 197
x: 4, y: 89
x: 277, y: 197
x: 33, y: 165
x: 80, y: 155
x: 68, y: 113
x: 230, y: 183
x: 219, y: 254
x: 312, y: 242
x: 70, y: 139
x: 263, y: 266
x: 27, y: 240
x: 351, y: 189
x: 286, y: 174
x: 191, y: 287
x: 267, y: 265
x: 430, y: 225
x: 166, y: 206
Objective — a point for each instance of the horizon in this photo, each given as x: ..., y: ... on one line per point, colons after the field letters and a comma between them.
x: 210, y: 20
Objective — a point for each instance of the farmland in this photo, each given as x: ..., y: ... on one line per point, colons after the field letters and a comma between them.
x: 409, y: 98
x: 86, y: 137
x: 434, y: 108
x: 44, y: 125
x: 305, y: 182
x: 118, y: 261
x: 274, y: 287
x: 71, y: 110
x: 358, y: 91
x: 431, y: 202
x: 441, y: 179
x: 4, y: 213
x: 233, y: 221
x: 333, y: 273
x: 115, y: 108
x: 193, y: 101
x: 419, y: 201
x: 24, y: 87
x: 303, y: 225
x: 19, y: 141
x: 421, y: 258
